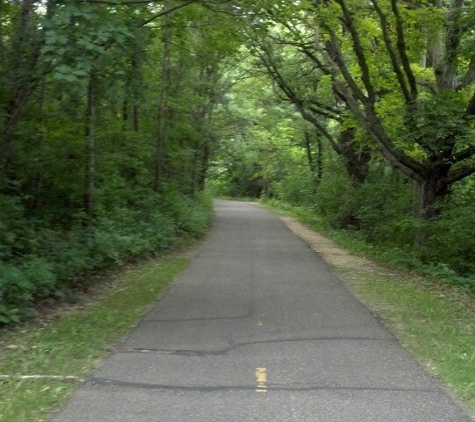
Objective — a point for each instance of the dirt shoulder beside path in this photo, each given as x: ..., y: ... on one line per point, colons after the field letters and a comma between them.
x: 351, y: 267
x: 327, y: 249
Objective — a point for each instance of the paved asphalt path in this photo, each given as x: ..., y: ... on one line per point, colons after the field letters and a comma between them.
x: 258, y: 329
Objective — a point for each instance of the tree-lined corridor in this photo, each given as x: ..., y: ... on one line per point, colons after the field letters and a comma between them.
x: 120, y: 120
x: 115, y: 116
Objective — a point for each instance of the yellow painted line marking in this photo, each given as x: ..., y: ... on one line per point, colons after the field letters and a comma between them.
x: 261, y: 378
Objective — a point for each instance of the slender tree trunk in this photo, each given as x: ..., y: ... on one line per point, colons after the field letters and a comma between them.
x: 125, y: 113
x: 310, y: 159
x: 135, y: 118
x: 319, y: 158
x: 194, y: 173
x: 130, y: 117
x: 2, y: 46
x: 206, y: 155
x: 130, y: 108
x: 38, y: 188
x: 161, y: 124
x: 39, y: 179
x: 314, y: 159
x: 19, y: 89
x: 91, y: 149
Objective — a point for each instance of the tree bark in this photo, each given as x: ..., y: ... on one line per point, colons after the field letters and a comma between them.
x: 20, y: 87
x: 429, y: 191
x: 91, y: 150
x: 162, y: 113
x: 356, y: 157
x: 311, y: 162
x: 206, y: 155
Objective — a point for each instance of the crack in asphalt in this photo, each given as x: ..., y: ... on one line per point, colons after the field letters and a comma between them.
x: 250, y: 313
x: 233, y: 346
x: 269, y: 387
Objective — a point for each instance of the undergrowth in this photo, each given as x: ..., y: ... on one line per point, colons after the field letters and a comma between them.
x: 43, y: 263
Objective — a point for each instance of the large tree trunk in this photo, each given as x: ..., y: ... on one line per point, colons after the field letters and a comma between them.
x: 429, y: 191
x: 355, y: 155
x: 433, y: 176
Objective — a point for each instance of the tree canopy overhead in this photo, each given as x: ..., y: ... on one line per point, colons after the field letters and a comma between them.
x: 112, y: 107
x: 405, y: 71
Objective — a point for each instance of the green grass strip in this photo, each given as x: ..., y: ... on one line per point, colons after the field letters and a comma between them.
x: 69, y: 345
x: 434, y: 324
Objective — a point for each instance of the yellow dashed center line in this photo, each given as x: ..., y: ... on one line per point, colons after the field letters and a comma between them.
x: 261, y: 378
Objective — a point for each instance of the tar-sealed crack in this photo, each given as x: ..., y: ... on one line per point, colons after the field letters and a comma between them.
x: 270, y: 387
x: 185, y: 352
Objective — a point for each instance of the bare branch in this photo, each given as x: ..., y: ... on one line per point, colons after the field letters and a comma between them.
x: 296, y: 101
x: 401, y: 46
x: 392, y: 54
x: 327, y: 111
x: 464, y: 154
x: 359, y: 52
x: 459, y: 174
x: 334, y: 56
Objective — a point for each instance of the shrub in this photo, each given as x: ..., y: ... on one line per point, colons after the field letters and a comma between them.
x: 21, y: 285
x: 451, y: 239
x: 40, y: 262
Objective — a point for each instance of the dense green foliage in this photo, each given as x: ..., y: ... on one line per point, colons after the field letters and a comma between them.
x: 369, y: 125
x: 41, y: 262
x: 107, y: 125
x: 114, y: 113
x: 378, y: 212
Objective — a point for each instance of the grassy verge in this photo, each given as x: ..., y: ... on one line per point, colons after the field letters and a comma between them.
x: 434, y: 321
x: 436, y: 325
x: 69, y: 345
